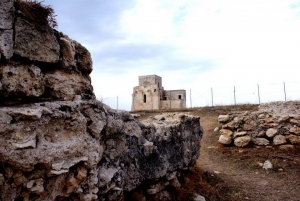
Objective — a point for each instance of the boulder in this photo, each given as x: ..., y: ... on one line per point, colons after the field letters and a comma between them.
x: 226, y: 132
x: 242, y: 141
x: 293, y: 139
x: 225, y: 140
x: 260, y: 141
x: 284, y: 118
x: 249, y: 126
x: 239, y: 134
x: 295, y: 130
x: 295, y: 122
x: 271, y: 132
x: 230, y: 125
x: 223, y: 118
x: 279, y: 140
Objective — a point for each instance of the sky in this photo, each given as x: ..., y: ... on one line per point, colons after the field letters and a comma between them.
x: 210, y: 48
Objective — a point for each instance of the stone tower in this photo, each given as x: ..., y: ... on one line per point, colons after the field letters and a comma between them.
x: 150, y: 95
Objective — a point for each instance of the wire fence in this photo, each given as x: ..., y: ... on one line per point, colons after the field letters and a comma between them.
x: 244, y: 94
x: 227, y: 95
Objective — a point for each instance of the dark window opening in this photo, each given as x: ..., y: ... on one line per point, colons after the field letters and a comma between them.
x: 179, y: 97
x: 145, y: 98
x: 158, y: 84
x: 165, y: 98
x: 154, y: 90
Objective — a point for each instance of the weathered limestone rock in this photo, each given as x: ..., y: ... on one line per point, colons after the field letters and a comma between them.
x: 295, y: 130
x: 242, y: 141
x: 260, y: 141
x: 223, y: 118
x: 283, y: 119
x: 21, y: 80
x: 287, y: 147
x: 230, y: 125
x: 293, y: 139
x: 225, y: 140
x: 6, y: 44
x: 199, y: 198
x: 267, y: 165
x: 67, y: 51
x: 294, y: 122
x: 239, y: 134
x: 6, y: 14
x: 64, y: 86
x: 74, y: 55
x: 49, y: 149
x: 226, y: 132
x: 6, y: 29
x: 279, y: 140
x: 261, y: 134
x: 83, y: 57
x: 34, y: 44
x: 39, y: 63
x: 249, y: 126
x: 271, y: 132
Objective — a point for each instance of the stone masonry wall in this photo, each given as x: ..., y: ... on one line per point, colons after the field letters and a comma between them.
x: 276, y: 124
x: 39, y: 65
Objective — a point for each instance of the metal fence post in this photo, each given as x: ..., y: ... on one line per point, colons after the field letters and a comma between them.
x: 284, y: 91
x: 191, y: 98
x: 234, y: 95
x: 212, y: 97
x: 258, y: 93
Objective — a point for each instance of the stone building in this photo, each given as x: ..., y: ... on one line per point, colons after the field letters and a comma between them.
x: 150, y: 95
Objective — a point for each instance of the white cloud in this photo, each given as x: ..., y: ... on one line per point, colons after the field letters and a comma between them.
x: 195, y: 44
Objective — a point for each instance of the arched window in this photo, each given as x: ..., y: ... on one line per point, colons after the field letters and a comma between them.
x: 145, y: 98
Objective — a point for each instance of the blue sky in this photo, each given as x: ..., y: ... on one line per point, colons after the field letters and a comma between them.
x: 191, y: 44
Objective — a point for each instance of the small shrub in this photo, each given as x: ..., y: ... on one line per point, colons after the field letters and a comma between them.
x: 36, y: 13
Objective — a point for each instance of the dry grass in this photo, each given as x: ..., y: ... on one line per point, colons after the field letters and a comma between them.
x: 36, y: 13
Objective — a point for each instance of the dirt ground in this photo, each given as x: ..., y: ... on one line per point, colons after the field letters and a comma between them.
x: 232, y: 173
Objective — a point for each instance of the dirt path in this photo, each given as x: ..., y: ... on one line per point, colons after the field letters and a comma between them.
x: 240, y: 170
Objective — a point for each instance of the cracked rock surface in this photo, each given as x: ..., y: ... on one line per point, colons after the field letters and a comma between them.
x: 64, y: 149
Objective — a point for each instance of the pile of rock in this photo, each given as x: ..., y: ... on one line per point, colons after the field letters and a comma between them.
x: 71, y: 146
x: 276, y: 123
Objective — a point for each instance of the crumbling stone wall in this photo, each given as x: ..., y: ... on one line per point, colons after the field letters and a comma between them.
x: 276, y: 124
x: 38, y: 65
x: 68, y: 150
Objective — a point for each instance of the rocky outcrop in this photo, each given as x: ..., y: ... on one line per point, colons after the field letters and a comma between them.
x: 85, y: 150
x: 58, y: 143
x: 39, y: 64
x: 276, y: 123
